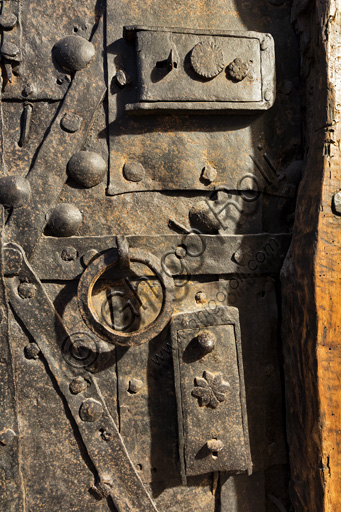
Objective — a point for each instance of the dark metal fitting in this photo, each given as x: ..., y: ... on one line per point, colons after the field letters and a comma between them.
x: 215, y: 445
x: 14, y: 191
x: 238, y: 70
x: 7, y: 436
x: 87, y: 168
x: 207, y: 59
x: 91, y: 410
x: 27, y: 290
x: 135, y: 385
x: 122, y: 78
x: 8, y: 21
x: 71, y: 122
x: 69, y: 254
x: 123, y: 253
x: 73, y: 53
x: 78, y: 385
x: 32, y: 351
x: 206, y: 341
x: 64, y: 219
x: 10, y: 50
x: 133, y: 171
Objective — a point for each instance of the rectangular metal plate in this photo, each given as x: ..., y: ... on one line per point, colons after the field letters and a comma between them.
x: 202, y: 420
x: 165, y: 73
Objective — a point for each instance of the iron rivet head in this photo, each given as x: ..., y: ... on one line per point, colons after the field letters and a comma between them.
x: 32, y: 351
x: 71, y: 122
x: 202, y: 218
x: 122, y: 78
x: 206, y: 341
x: 64, y: 220
x: 91, y: 410
x: 135, y: 385
x: 87, y: 168
x: 180, y: 252
x: 28, y: 90
x: 207, y: 59
x: 267, y: 95
x: 9, y: 50
x: 8, y: 21
x: 7, y: 436
x: 27, y: 290
x: 89, y: 256
x: 14, y: 191
x: 69, y: 254
x: 133, y: 171
x: 200, y: 297
x: 73, y: 53
x: 78, y: 385
x: 337, y: 203
x: 106, y: 435
x: 238, y: 70
x: 215, y: 445
x: 209, y: 173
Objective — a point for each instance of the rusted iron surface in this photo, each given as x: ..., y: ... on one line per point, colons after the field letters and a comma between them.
x: 126, y: 223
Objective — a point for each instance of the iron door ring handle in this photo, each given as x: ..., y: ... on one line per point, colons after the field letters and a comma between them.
x: 96, y: 269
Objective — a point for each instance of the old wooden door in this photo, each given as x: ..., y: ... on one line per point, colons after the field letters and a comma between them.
x: 151, y: 156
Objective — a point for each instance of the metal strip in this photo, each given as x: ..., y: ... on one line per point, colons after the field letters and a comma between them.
x: 117, y: 476
x: 241, y: 254
x: 11, y: 485
x: 48, y: 174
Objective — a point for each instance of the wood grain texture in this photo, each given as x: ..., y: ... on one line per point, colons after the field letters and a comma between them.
x: 311, y: 276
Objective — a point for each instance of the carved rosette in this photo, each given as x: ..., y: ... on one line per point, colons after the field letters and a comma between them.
x: 210, y: 389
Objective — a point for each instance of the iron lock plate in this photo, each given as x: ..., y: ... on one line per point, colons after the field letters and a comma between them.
x: 183, y: 69
x: 212, y: 419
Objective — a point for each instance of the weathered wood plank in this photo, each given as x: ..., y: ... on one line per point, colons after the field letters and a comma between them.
x: 312, y: 274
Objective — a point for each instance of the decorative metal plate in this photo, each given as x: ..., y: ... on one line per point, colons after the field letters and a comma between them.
x: 209, y: 377
x: 203, y: 70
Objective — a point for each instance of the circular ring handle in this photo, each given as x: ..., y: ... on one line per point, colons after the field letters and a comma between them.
x: 91, y: 275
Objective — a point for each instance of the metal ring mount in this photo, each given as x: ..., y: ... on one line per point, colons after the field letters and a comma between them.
x: 96, y: 269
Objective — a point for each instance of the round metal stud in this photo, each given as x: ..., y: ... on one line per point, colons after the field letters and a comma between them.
x: 27, y: 290
x: 7, y: 436
x: 91, y: 410
x: 207, y: 59
x: 200, y: 297
x: 9, y: 50
x: 87, y: 168
x: 206, y: 341
x: 135, y: 385
x: 78, y: 385
x: 69, y: 254
x: 14, y: 191
x: 65, y: 219
x: 73, y: 53
x: 71, y: 122
x: 202, y: 218
x: 133, y: 171
x: 215, y: 445
x: 8, y: 21
x: 32, y: 351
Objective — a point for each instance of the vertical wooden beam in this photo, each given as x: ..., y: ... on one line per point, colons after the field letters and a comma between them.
x: 311, y: 276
